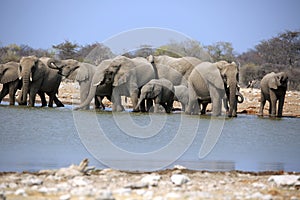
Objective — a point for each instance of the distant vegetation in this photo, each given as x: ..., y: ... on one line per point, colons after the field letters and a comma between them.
x: 280, y: 53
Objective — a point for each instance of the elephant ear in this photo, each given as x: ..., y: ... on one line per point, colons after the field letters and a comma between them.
x: 213, y: 75
x: 82, y: 73
x: 10, y: 72
x: 273, y: 83
x: 121, y: 67
x: 157, y: 88
x: 41, y: 69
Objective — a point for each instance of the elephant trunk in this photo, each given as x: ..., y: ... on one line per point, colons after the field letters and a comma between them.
x: 25, y: 88
x: 232, y: 98
x: 240, y: 97
x: 89, y: 98
x: 139, y: 103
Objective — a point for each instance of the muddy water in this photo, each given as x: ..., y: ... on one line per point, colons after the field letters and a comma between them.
x: 41, y: 138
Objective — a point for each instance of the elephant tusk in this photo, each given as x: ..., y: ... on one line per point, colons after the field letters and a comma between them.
x: 53, y: 65
x: 96, y: 84
x: 20, y: 77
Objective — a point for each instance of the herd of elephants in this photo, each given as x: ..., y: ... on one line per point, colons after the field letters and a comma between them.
x: 159, y: 79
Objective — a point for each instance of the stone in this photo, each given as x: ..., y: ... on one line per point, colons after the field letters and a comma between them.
x: 151, y: 180
x: 179, y: 179
x: 65, y: 197
x: 78, y: 181
x: 20, y: 191
x: 285, y: 180
x: 105, y: 195
x: 30, y: 181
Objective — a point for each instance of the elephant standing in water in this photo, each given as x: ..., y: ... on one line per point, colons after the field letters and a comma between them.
x: 273, y: 88
x: 207, y: 82
x: 10, y: 80
x: 96, y: 86
x: 82, y: 73
x: 159, y: 90
x: 127, y: 76
x: 37, y: 78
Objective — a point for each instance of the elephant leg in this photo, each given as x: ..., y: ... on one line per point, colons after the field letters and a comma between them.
x: 4, y: 91
x: 32, y: 95
x: 43, y: 98
x: 169, y: 105
x: 273, y: 101
x: 203, y: 109
x: 143, y: 106
x: 280, y: 106
x: 262, y: 104
x: 57, y: 101
x: 134, y: 99
x: 149, y: 104
x: 116, y: 99
x: 157, y: 104
x: 12, y: 92
x: 182, y: 107
x: 193, y: 101
x: 216, y: 99
x: 51, y: 98
x: 98, y: 101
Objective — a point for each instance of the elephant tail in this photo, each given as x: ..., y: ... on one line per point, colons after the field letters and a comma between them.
x: 89, y: 98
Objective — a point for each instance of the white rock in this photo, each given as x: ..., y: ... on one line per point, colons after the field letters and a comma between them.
x: 78, y: 181
x: 29, y: 181
x: 151, y: 180
x: 258, y: 185
x: 20, y: 191
x: 179, y: 179
x: 259, y: 195
x: 65, y: 197
x: 284, y: 180
x: 179, y: 167
x: 105, y: 194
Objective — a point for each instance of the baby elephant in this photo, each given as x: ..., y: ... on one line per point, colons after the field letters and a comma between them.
x: 159, y: 90
x: 273, y: 88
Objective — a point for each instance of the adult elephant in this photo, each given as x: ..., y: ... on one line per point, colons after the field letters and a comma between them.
x: 10, y: 80
x: 37, y: 78
x: 127, y: 77
x: 177, y: 70
x: 159, y: 90
x: 80, y: 72
x: 97, y: 87
x: 208, y: 81
x: 273, y: 89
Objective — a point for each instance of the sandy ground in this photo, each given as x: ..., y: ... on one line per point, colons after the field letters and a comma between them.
x: 77, y: 182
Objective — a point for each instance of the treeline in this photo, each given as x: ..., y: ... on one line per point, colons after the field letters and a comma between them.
x: 280, y: 53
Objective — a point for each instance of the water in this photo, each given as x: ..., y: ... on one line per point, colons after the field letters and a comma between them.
x: 45, y: 138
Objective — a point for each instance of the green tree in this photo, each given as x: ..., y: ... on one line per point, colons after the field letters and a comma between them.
x: 67, y: 50
x: 221, y: 51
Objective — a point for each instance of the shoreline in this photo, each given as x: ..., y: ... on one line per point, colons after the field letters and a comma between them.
x: 83, y: 182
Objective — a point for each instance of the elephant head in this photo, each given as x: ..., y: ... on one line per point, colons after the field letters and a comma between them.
x: 230, y: 75
x: 31, y: 69
x: 52, y: 63
x: 74, y: 70
x: 116, y: 72
x: 8, y: 72
x: 278, y: 80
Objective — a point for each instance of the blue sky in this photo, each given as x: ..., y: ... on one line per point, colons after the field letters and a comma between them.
x: 244, y: 23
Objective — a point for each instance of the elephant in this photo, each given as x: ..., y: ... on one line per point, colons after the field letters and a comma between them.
x: 80, y: 72
x: 37, y: 78
x: 181, y: 95
x: 10, y: 80
x: 97, y: 88
x: 161, y: 91
x: 273, y: 88
x: 209, y: 82
x: 127, y: 77
x: 177, y: 70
